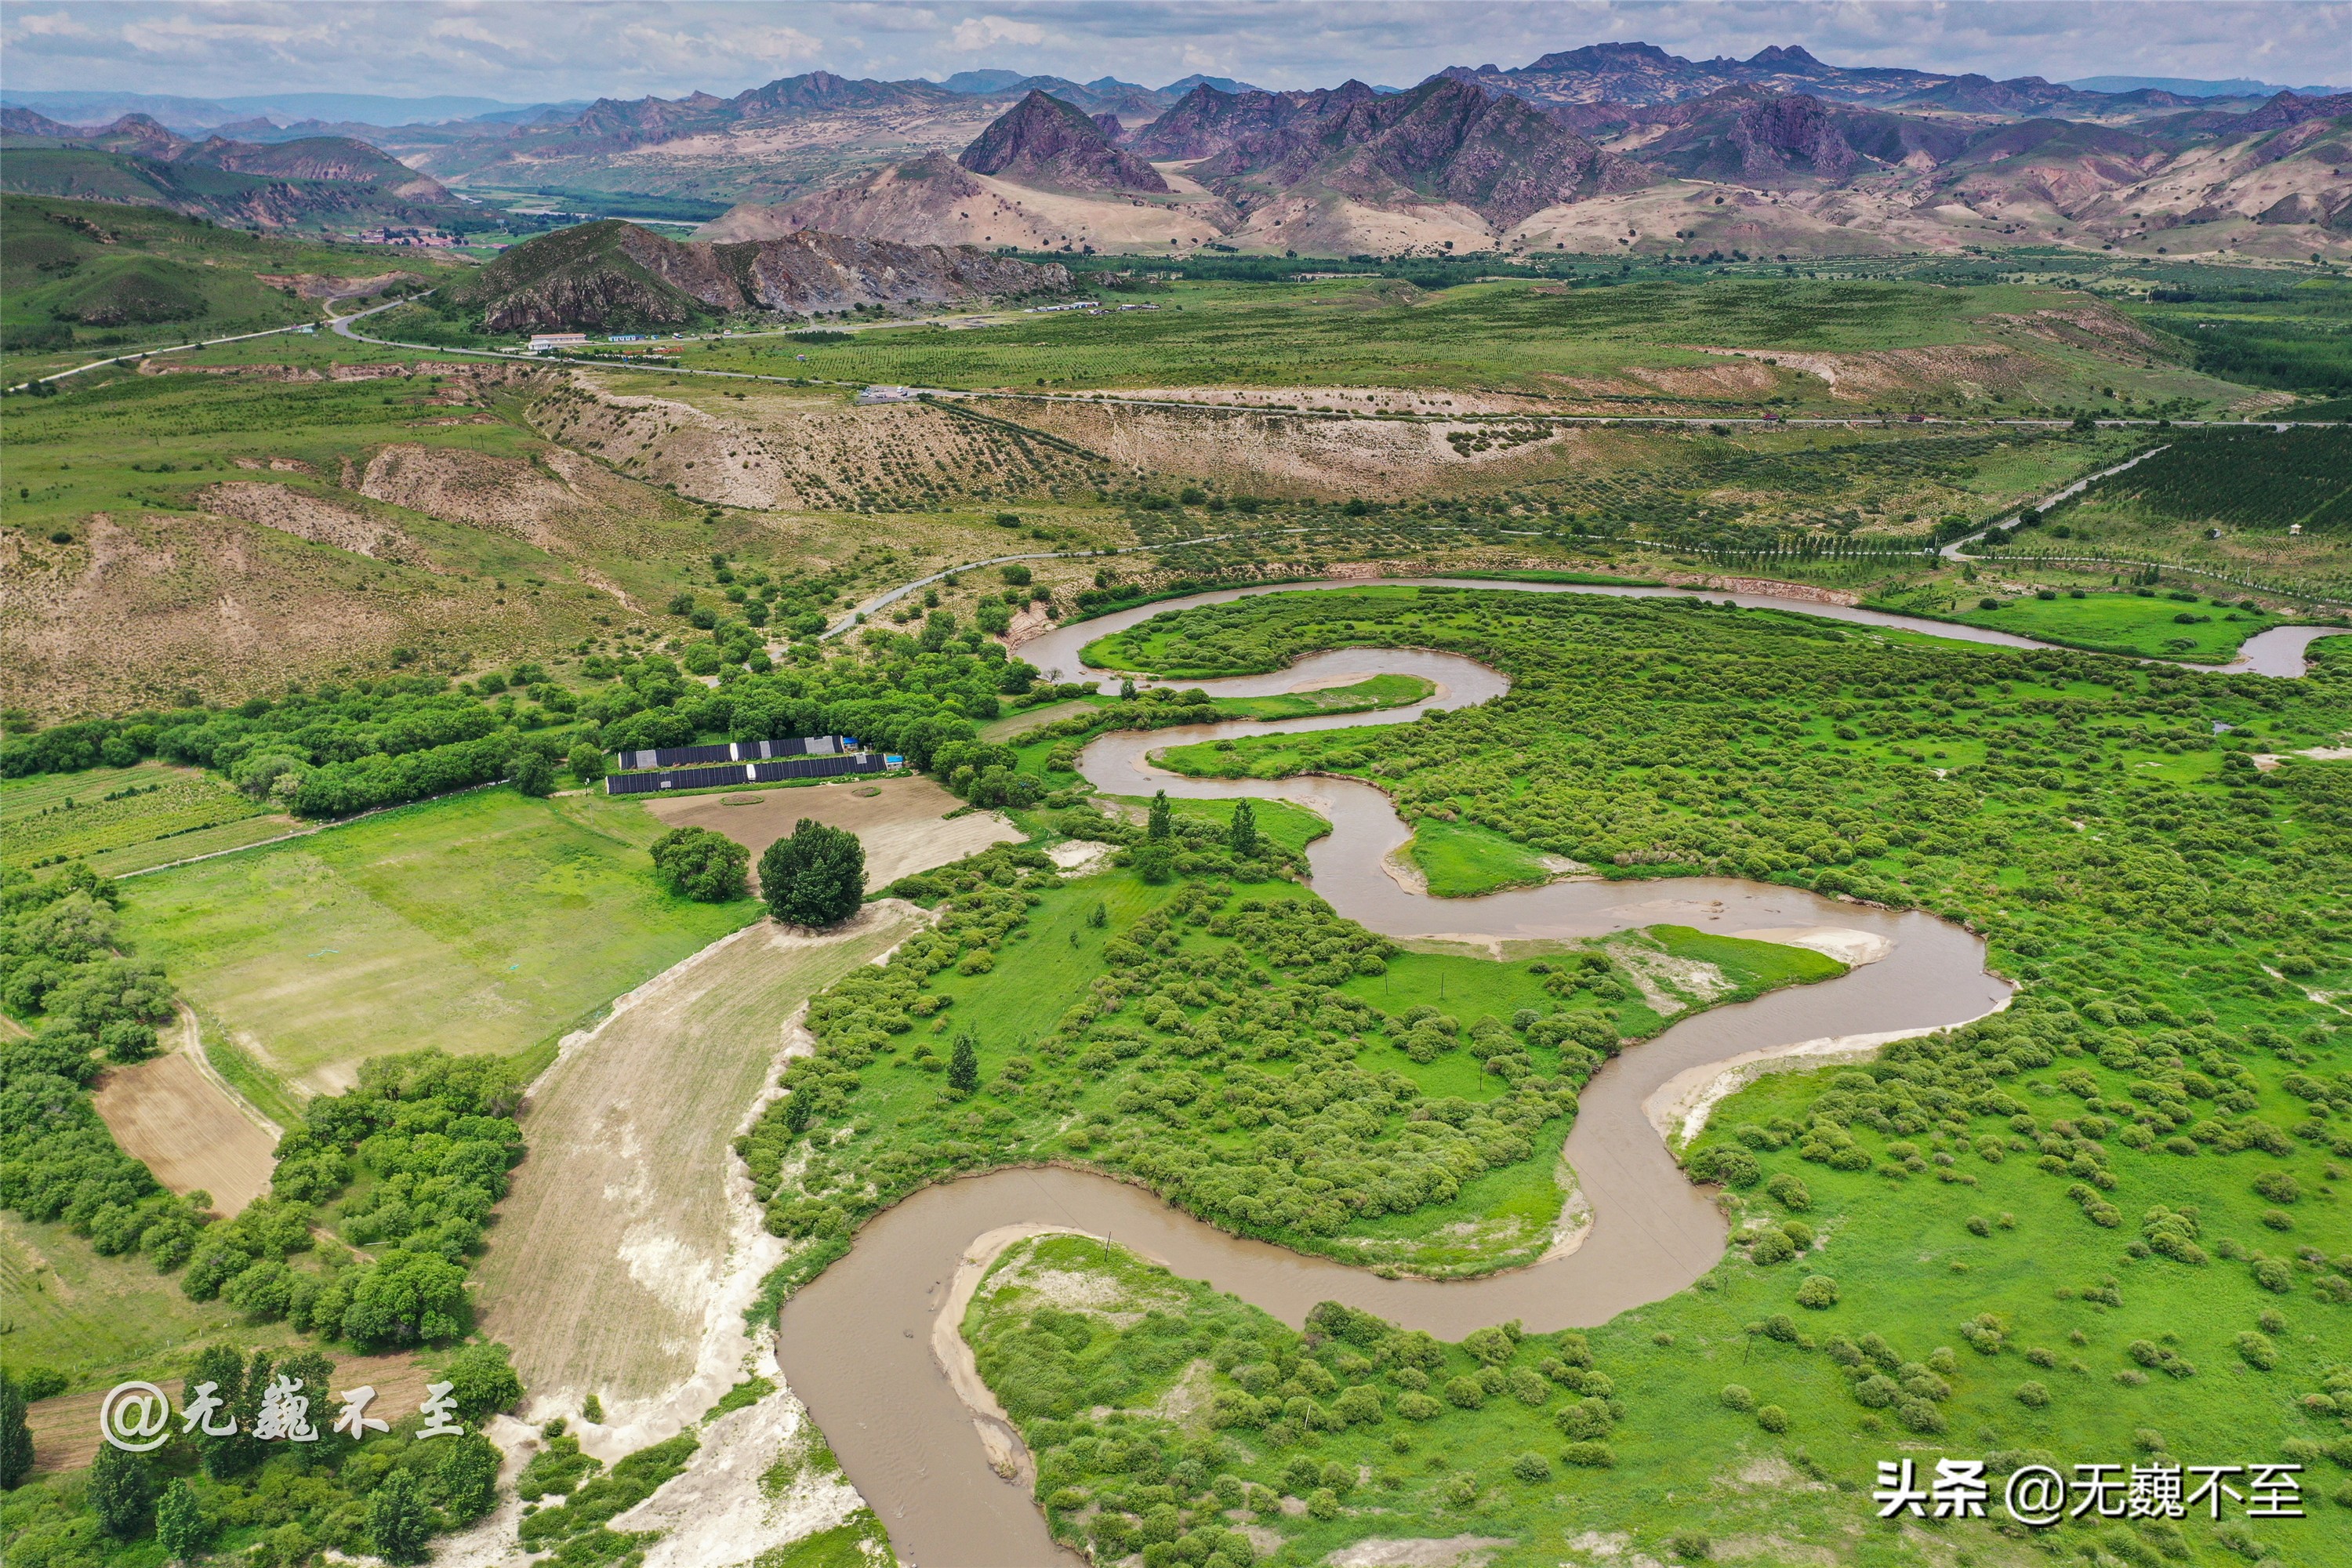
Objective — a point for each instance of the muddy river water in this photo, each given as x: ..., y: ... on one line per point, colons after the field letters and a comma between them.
x: 855, y: 1344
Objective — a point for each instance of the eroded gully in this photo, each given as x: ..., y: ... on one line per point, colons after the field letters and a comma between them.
x: 856, y: 1343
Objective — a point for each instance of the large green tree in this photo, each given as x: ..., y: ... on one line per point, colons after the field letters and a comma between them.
x: 399, y: 1519
x: 121, y: 1491
x: 816, y: 877
x: 15, y: 1437
x: 701, y: 864
x: 180, y: 1526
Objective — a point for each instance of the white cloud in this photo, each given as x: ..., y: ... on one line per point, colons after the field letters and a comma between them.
x: 976, y: 33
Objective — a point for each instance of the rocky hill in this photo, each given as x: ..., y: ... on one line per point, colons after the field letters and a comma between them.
x: 613, y: 274
x: 1042, y: 141
x: 1445, y: 142
x: 137, y: 160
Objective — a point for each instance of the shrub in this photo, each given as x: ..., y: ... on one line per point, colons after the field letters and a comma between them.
x: 1466, y: 1392
x: 1588, y: 1456
x: 1531, y: 1468
x: 1419, y: 1408
x: 2033, y: 1395
x: 1771, y: 1246
x: 1736, y: 1396
x: 1819, y: 1292
x: 1790, y: 1191
x: 1772, y: 1418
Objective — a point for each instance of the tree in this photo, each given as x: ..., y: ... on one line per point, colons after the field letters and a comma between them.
x: 1154, y: 862
x: 964, y: 1067
x: 481, y: 1380
x: 816, y: 877
x: 534, y: 774
x: 15, y: 1437
x: 121, y: 1491
x: 701, y: 864
x: 180, y: 1522
x: 1162, y: 824
x: 399, y: 1519
x: 586, y: 763
x: 1242, y: 836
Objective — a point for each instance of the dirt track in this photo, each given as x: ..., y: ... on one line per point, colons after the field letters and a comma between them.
x: 901, y: 823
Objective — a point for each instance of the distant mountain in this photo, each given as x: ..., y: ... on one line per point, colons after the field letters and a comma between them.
x: 985, y: 81
x: 1042, y: 141
x: 136, y: 159
x: 1771, y: 140
x: 1184, y: 84
x: 615, y: 275
x: 2194, y: 87
x: 199, y: 114
x: 1445, y: 142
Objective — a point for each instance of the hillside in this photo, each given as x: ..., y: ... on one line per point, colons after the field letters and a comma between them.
x: 612, y: 274
x: 96, y: 276
x: 312, y: 181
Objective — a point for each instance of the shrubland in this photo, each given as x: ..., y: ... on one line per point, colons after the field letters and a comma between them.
x: 2102, y: 1225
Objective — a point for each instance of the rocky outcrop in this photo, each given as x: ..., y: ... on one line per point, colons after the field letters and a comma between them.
x: 614, y: 273
x: 1041, y: 141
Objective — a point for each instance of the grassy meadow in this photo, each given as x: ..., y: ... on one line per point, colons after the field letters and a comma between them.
x: 487, y: 922
x: 2146, y: 624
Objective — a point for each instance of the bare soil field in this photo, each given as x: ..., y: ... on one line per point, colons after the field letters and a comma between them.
x: 186, y: 1127
x: 899, y: 821
x: 620, y: 1265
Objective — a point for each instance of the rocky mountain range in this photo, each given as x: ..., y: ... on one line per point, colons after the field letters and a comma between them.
x: 1617, y: 146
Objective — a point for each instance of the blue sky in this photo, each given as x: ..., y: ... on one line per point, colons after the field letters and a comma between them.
x: 536, y: 50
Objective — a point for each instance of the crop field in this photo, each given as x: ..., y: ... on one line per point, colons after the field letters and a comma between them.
x: 2145, y: 623
x: 605, y: 1269
x: 2254, y: 478
x: 176, y: 1122
x: 1588, y: 342
x: 111, y: 816
x: 483, y: 922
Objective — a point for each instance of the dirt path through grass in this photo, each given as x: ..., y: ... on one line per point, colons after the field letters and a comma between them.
x: 623, y: 1259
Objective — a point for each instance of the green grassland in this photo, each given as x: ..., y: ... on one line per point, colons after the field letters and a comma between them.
x: 1380, y: 691
x: 487, y: 922
x: 94, y: 1320
x: 89, y: 275
x: 2105, y: 1224
x: 116, y: 816
x: 1499, y: 336
x: 2143, y: 623
x: 1461, y: 860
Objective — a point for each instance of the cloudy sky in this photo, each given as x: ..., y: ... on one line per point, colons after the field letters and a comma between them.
x: 541, y: 50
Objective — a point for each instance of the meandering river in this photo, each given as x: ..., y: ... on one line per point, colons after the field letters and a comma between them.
x: 855, y: 1344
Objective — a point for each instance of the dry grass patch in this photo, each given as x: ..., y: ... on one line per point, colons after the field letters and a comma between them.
x: 901, y: 822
